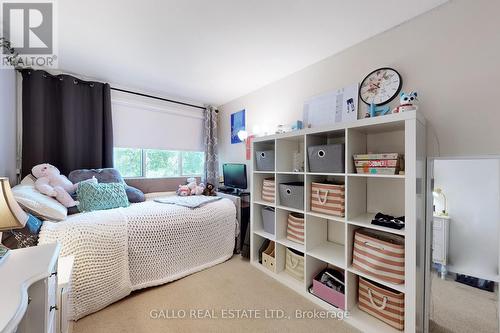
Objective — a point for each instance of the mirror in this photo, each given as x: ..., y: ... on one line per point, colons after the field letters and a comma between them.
x: 462, y: 245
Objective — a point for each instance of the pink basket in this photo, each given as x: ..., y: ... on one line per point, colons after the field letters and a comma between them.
x: 329, y: 295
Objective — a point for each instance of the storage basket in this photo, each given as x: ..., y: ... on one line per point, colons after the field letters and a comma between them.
x: 330, y: 295
x: 379, y: 254
x: 328, y: 198
x: 269, y: 257
x: 268, y: 214
x: 381, y: 302
x: 327, y: 158
x: 384, y: 164
x: 295, y: 228
x: 264, y: 160
x: 294, y: 264
x: 292, y: 195
x: 268, y: 190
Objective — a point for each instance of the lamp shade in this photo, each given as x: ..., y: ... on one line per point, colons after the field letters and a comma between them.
x: 11, y: 215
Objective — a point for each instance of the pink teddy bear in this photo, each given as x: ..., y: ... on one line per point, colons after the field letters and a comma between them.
x: 51, y: 183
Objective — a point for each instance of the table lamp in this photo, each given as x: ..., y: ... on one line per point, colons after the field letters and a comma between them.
x: 11, y: 215
x: 437, y: 193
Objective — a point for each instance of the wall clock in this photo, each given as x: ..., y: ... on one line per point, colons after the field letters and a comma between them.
x: 380, y: 86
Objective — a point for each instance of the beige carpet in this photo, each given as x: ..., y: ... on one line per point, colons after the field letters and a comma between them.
x: 233, y: 285
x: 458, y: 308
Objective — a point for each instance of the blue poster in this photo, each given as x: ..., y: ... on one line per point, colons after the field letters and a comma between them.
x: 237, y: 124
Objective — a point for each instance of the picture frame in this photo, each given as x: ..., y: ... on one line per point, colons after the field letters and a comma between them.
x: 237, y: 125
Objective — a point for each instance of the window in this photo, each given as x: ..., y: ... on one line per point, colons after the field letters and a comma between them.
x: 157, y: 163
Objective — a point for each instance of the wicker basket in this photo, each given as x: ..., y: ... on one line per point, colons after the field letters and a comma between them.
x: 269, y: 190
x: 381, y: 302
x: 328, y: 199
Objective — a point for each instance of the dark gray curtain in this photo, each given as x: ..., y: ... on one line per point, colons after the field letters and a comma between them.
x: 66, y: 122
x: 210, y: 142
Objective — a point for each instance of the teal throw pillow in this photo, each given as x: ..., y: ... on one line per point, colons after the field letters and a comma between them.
x: 94, y: 196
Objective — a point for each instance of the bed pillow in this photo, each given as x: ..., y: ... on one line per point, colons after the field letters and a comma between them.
x: 101, y: 196
x: 108, y: 175
x: 38, y: 204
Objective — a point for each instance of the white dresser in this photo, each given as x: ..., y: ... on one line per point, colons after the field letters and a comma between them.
x: 440, y: 240
x: 28, y: 290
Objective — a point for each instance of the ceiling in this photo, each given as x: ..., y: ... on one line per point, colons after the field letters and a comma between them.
x: 213, y: 51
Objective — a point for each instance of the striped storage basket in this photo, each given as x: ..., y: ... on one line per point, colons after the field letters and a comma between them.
x: 295, y: 228
x: 268, y: 190
x: 294, y: 264
x: 328, y: 199
x: 381, y: 302
x: 379, y: 254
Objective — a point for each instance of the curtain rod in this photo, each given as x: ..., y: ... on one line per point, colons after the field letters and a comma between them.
x: 141, y: 94
x: 160, y: 98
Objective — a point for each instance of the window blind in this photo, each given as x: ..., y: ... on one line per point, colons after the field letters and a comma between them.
x: 141, y: 122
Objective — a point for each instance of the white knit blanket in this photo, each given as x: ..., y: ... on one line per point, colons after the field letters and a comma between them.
x: 120, y: 250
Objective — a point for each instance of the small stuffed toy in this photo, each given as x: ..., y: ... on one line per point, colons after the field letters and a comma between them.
x: 183, y: 191
x: 209, y: 190
x: 407, y: 102
x: 51, y: 183
x: 193, y: 186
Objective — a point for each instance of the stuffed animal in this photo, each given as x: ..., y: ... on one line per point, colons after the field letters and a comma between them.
x: 209, y: 190
x: 50, y: 182
x: 193, y: 186
x: 407, y: 102
x: 183, y: 191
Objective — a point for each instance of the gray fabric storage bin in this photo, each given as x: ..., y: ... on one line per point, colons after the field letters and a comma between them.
x: 268, y: 214
x: 327, y: 158
x: 292, y: 195
x: 264, y: 160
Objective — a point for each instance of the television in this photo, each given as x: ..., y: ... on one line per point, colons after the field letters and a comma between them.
x: 235, y: 176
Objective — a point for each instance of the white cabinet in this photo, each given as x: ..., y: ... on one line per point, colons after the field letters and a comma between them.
x: 28, y: 290
x: 440, y: 240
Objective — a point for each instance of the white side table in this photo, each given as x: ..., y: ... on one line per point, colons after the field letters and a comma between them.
x: 28, y: 289
x: 65, y: 269
x: 440, y: 240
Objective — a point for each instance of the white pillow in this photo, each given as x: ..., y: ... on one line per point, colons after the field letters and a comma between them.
x: 37, y: 203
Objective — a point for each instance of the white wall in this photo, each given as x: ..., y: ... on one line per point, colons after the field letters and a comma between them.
x: 8, y: 124
x: 449, y: 55
x: 472, y: 189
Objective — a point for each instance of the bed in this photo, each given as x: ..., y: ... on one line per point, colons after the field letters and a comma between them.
x: 121, y: 250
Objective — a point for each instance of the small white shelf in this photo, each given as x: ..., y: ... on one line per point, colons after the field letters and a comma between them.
x: 398, y: 287
x: 327, y: 174
x: 290, y: 244
x: 290, y: 281
x: 365, y: 220
x: 264, y: 203
x: 326, y: 216
x: 265, y: 234
x: 367, y: 323
x: 289, y: 173
x: 370, y: 175
x: 329, y: 252
x: 264, y: 172
x: 290, y: 209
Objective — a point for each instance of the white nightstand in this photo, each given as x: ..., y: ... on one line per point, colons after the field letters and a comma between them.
x: 65, y: 269
x: 28, y: 290
x: 440, y: 240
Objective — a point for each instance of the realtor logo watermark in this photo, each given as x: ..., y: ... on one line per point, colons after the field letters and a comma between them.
x: 30, y: 29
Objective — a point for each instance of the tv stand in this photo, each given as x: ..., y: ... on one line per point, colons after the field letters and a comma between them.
x: 231, y: 190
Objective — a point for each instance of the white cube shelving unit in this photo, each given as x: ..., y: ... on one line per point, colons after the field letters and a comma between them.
x: 329, y: 239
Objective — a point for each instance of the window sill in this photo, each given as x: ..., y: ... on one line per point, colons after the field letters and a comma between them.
x: 159, y: 178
